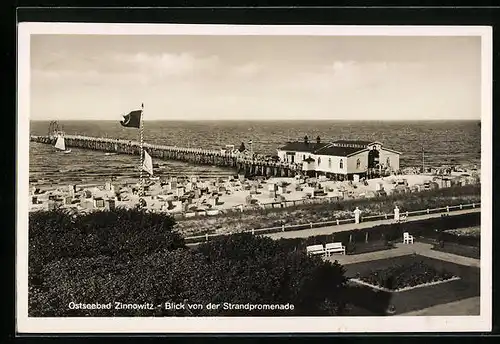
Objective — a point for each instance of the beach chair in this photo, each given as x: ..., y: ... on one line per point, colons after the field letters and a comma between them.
x: 407, y: 238
x: 315, y: 249
x: 334, y: 247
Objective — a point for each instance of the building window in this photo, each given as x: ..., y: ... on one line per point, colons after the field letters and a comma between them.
x: 303, y: 157
x: 341, y: 164
x: 329, y: 162
x: 319, y: 161
x: 388, y: 162
x: 358, y: 164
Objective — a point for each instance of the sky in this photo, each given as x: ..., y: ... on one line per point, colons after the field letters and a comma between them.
x: 180, y: 77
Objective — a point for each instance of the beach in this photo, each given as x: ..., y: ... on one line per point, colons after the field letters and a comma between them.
x: 192, y: 196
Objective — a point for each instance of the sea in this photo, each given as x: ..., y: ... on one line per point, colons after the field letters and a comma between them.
x: 443, y: 143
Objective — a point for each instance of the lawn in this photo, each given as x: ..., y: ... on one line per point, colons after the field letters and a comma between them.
x: 458, y: 249
x: 368, y: 301
x: 367, y: 247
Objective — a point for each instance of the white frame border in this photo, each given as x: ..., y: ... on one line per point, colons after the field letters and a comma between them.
x: 25, y: 324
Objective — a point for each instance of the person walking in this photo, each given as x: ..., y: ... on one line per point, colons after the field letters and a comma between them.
x: 396, y: 214
x: 357, y: 213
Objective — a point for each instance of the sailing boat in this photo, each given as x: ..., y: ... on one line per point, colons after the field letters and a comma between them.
x: 147, y: 166
x: 60, y: 145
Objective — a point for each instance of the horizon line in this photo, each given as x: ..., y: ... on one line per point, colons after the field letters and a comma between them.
x: 266, y: 120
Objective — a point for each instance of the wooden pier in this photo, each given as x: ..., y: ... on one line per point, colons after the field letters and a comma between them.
x: 242, y: 164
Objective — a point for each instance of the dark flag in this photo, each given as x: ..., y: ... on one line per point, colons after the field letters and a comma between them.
x: 132, y: 119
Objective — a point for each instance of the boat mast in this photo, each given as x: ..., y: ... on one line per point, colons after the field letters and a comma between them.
x: 423, y: 159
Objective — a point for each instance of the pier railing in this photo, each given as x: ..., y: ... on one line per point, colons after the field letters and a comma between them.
x: 297, y: 227
x: 249, y: 165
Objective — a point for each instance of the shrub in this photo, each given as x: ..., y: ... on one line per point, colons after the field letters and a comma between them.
x: 123, y: 234
x: 56, y: 234
x: 265, y: 271
x: 234, y: 269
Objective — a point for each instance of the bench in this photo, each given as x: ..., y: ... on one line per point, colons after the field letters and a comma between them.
x: 315, y: 249
x: 334, y: 247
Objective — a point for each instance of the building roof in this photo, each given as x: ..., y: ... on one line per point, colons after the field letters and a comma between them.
x: 335, y: 148
x: 320, y: 148
x: 338, y: 151
x: 354, y: 142
x: 310, y: 147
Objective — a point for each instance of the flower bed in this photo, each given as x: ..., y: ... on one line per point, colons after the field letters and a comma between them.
x: 468, y: 231
x: 404, y: 276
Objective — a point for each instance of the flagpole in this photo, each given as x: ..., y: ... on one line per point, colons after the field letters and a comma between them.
x: 141, y: 180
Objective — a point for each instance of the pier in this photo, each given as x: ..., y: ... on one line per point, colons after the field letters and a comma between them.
x: 242, y: 164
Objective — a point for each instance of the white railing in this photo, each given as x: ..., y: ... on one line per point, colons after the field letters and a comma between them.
x: 285, y: 228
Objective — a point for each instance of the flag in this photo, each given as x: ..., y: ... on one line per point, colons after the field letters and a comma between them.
x: 147, y: 165
x: 132, y: 119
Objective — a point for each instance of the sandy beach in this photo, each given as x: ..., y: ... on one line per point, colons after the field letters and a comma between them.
x: 192, y: 196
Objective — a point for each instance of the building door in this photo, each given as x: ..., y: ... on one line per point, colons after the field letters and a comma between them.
x: 373, y: 158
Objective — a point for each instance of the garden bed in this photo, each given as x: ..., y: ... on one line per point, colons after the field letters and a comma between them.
x: 369, y: 301
x: 473, y: 232
x: 406, y: 276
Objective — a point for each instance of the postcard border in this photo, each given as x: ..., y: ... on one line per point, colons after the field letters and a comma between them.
x: 25, y: 324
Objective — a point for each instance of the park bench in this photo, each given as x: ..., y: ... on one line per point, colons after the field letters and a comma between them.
x: 315, y: 249
x: 407, y: 238
x: 334, y: 247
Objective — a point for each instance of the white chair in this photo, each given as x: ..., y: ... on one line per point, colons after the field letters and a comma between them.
x: 315, y: 249
x: 407, y: 238
x: 334, y: 247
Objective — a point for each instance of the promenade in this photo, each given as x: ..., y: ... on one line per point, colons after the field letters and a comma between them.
x: 401, y: 249
x: 466, y: 307
x: 305, y: 233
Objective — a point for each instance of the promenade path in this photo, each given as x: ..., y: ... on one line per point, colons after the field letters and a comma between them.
x: 401, y: 249
x: 470, y: 306
x: 305, y: 233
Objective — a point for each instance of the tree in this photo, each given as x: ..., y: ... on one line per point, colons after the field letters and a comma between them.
x: 123, y: 234
x: 57, y: 234
x: 260, y: 270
